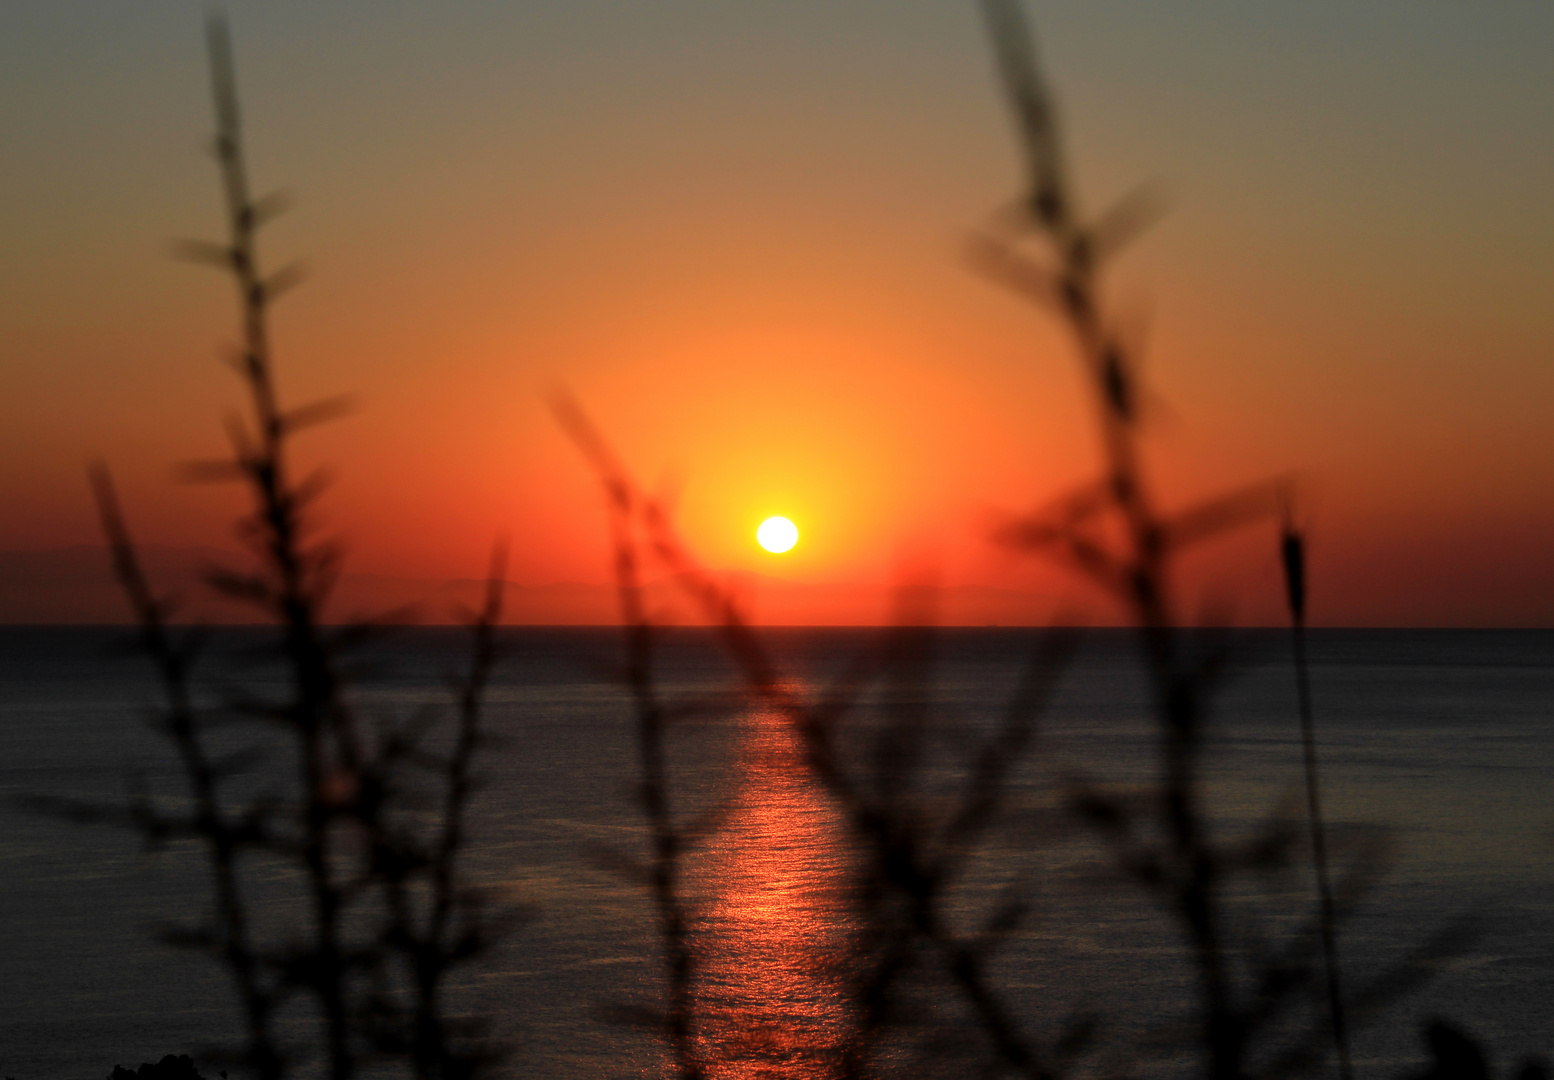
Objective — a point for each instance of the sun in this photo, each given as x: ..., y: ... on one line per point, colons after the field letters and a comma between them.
x: 777, y: 534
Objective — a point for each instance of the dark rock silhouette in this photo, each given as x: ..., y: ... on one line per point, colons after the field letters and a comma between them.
x: 169, y: 1068
x: 1456, y: 1057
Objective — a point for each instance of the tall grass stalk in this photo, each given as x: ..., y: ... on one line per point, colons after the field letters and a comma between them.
x: 1292, y: 549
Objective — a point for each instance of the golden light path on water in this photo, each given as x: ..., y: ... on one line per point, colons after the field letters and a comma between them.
x: 772, y: 929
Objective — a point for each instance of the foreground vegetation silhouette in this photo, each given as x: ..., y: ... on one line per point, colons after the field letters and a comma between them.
x: 373, y: 826
x: 1260, y: 992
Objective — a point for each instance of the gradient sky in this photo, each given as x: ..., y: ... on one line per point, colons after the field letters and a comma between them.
x: 733, y: 230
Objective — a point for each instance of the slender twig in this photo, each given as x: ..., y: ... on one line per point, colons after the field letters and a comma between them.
x: 625, y: 507
x: 331, y: 756
x: 233, y: 939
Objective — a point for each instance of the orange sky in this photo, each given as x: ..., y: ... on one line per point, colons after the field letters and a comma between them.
x: 734, y: 236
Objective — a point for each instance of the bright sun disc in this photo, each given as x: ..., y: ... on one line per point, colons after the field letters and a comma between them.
x: 777, y: 534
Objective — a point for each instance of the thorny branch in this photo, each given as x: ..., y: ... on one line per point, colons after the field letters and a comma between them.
x: 1136, y: 569
x: 351, y: 828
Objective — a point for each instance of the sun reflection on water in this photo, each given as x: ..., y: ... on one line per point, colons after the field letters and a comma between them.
x: 773, y: 932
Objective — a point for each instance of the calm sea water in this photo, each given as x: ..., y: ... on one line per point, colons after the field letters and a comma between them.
x: 1440, y: 742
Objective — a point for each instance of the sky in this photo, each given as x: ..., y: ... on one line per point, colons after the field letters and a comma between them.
x: 735, y: 232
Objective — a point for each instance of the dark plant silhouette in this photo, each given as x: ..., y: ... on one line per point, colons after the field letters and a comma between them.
x: 1455, y: 1055
x: 373, y: 825
x: 1257, y: 986
x: 1115, y: 532
x: 914, y: 856
x: 668, y: 839
x: 1292, y: 548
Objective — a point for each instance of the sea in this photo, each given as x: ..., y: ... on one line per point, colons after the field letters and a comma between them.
x: 1436, y: 753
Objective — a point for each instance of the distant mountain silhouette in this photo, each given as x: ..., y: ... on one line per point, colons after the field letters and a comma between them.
x: 74, y: 585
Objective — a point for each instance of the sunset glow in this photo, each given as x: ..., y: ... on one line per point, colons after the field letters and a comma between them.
x: 747, y: 315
